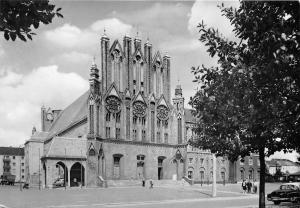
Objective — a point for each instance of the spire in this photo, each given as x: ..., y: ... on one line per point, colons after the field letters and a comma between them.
x: 33, y: 130
x: 94, y: 72
x: 94, y: 62
x: 178, y: 90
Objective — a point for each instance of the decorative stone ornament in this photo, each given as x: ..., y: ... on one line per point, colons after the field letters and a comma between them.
x: 139, y: 109
x: 113, y: 104
x: 162, y: 112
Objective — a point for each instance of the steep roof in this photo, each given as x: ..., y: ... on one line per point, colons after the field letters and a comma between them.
x: 281, y: 162
x: 63, y: 146
x: 72, y: 114
x: 11, y: 151
x: 189, y: 116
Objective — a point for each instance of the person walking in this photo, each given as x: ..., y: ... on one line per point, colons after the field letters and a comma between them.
x: 244, y: 187
x: 151, y: 184
x: 254, y: 186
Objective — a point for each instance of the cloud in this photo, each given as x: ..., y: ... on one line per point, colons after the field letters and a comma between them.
x: 74, y: 57
x: 212, y: 17
x: 71, y: 36
x: 21, y: 97
x: 281, y: 155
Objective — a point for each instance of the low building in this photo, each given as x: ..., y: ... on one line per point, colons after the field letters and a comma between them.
x: 12, y: 162
x: 244, y: 169
x: 284, y: 165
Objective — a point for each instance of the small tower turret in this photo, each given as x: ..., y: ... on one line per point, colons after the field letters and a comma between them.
x: 94, y: 79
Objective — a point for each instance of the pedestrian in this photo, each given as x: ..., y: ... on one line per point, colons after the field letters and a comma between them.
x: 244, y: 187
x: 151, y: 184
x: 249, y: 186
x: 143, y: 182
x: 254, y: 186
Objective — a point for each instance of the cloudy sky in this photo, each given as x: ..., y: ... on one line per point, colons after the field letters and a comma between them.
x: 53, y: 68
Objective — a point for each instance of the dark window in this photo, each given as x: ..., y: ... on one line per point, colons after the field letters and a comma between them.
x: 118, y: 117
x: 107, y: 133
x: 158, y: 123
x: 14, y: 157
x: 134, y: 120
x: 143, y: 135
x: 116, y: 161
x: 166, y: 138
x: 107, y: 118
x: 134, y: 82
x: 158, y: 137
x: 152, y: 127
x: 118, y: 133
x: 22, y: 177
x: 22, y: 164
x: 134, y: 134
x: 142, y: 84
x: 92, y: 152
x: 143, y: 121
x: 22, y: 170
x: 134, y: 92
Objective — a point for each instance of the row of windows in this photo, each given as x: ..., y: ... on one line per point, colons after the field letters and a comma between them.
x: 250, y: 161
x: 136, y: 119
x: 14, y: 164
x: 201, y: 161
x: 134, y: 135
x: 13, y: 157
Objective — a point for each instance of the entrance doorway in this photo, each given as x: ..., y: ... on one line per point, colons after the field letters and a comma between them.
x: 77, y: 175
x: 160, y: 173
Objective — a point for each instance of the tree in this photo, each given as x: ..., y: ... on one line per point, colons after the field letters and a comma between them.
x: 17, y: 17
x: 250, y: 102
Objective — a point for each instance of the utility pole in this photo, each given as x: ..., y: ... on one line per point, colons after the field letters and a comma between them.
x: 81, y: 169
x: 65, y: 172
x: 20, y: 168
x: 214, y: 183
x: 39, y: 170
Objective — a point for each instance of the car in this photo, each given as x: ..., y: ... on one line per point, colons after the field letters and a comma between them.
x: 288, y: 192
x: 59, y: 182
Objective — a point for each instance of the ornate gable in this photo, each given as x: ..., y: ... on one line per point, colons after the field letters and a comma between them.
x: 112, y: 91
x: 113, y: 100
x: 127, y: 94
x: 139, y: 105
x: 162, y: 101
x: 152, y: 98
x: 116, y: 46
x: 138, y: 53
x: 157, y: 60
x: 163, y: 110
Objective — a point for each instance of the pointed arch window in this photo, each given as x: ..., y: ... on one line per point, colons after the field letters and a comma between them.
x: 91, y: 117
x: 107, y: 117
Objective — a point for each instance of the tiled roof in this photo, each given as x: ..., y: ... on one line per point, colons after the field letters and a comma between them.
x: 11, y: 151
x: 72, y: 114
x: 71, y: 147
x: 189, y: 116
x: 281, y: 162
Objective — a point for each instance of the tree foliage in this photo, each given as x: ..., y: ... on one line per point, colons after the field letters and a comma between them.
x: 250, y: 102
x: 19, y: 17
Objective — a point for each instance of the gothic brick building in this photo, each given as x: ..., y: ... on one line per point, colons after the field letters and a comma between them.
x: 126, y: 126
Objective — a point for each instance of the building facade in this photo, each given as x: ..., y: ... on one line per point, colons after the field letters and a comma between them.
x: 127, y: 126
x: 12, y: 162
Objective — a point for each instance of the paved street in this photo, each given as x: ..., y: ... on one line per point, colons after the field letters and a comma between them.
x: 195, y: 196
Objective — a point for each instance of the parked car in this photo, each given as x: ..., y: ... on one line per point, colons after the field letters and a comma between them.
x: 288, y: 192
x: 59, y: 182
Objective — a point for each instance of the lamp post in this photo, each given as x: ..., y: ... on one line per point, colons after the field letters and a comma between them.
x: 81, y: 169
x: 20, y: 167
x: 214, y: 183
x: 65, y: 172
x: 39, y: 170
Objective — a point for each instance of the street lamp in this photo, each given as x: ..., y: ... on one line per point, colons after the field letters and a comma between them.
x: 20, y: 150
